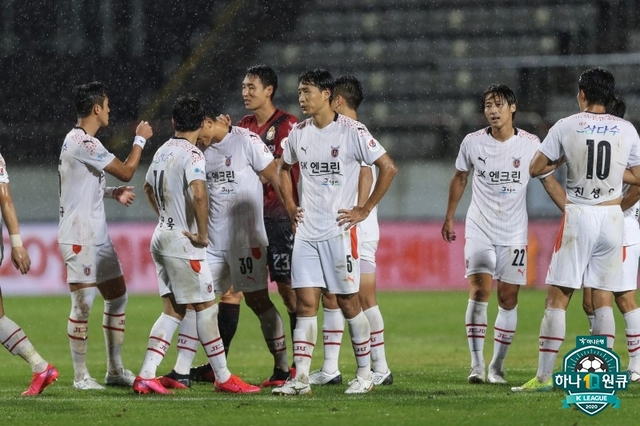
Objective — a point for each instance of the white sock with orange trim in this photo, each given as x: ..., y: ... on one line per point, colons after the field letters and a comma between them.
x: 158, y: 345
x: 78, y: 329
x: 13, y: 338
x: 188, y: 343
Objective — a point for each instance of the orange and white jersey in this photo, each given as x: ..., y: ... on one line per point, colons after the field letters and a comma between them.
x: 81, y: 188
x: 236, y: 198
x: 498, y: 209
x: 330, y: 159
x: 597, y: 148
x: 175, y: 165
x: 369, y: 230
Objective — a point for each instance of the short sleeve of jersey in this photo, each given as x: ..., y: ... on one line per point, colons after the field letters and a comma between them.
x: 551, y: 147
x: 258, y: 153
x: 371, y: 149
x: 462, y: 161
x: 634, y: 155
x: 4, y: 176
x: 194, y: 166
x: 288, y: 153
x: 94, y: 154
x: 283, y: 132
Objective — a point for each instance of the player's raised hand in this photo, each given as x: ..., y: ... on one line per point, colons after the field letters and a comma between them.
x: 20, y: 259
x: 448, y: 234
x: 224, y: 118
x: 124, y: 195
x: 197, y: 240
x: 144, y: 129
x: 350, y: 217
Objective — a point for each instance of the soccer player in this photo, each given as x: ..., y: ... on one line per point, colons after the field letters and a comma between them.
x: 597, y: 147
x: 330, y: 149
x: 90, y: 258
x: 626, y: 298
x: 176, y: 189
x: 236, y: 162
x: 272, y: 125
x: 11, y: 335
x: 495, y: 226
x: 347, y: 97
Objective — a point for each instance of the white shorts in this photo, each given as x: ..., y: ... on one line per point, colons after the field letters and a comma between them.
x: 188, y: 280
x: 332, y: 264
x: 588, y: 249
x: 630, y: 267
x: 368, y: 256
x: 91, y: 264
x: 244, y: 268
x: 505, y: 263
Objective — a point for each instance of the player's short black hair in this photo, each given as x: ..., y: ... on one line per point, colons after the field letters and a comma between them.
x: 598, y: 85
x: 318, y: 77
x: 188, y: 113
x: 267, y: 76
x: 617, y: 106
x: 87, y: 95
x: 500, y: 91
x: 350, y: 88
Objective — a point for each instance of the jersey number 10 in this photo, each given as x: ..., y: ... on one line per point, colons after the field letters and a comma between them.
x: 602, y: 159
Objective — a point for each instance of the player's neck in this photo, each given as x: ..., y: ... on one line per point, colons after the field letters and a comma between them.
x: 220, y: 132
x: 323, y: 118
x: 192, y: 137
x: 264, y: 113
x: 90, y: 126
x: 595, y: 108
x: 503, y: 133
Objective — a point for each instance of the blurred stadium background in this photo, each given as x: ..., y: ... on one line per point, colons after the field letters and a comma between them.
x: 423, y: 65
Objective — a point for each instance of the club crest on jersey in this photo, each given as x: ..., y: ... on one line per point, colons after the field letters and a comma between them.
x: 373, y: 145
x: 334, y: 151
x: 271, y: 133
x: 516, y: 162
x: 209, y: 288
x: 87, y: 270
x: 227, y: 160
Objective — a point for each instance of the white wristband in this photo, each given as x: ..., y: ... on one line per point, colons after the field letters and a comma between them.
x: 16, y: 241
x: 108, y: 192
x: 140, y: 141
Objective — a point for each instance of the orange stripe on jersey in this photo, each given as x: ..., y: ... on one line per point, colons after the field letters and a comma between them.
x: 556, y: 247
x: 195, y: 265
x: 354, y: 242
x: 624, y: 253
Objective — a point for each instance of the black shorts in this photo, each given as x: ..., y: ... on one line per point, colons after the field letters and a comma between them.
x: 279, y: 251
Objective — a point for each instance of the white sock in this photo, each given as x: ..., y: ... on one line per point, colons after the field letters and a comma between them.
x: 188, y: 343
x: 591, y: 319
x: 13, y: 338
x: 332, y: 331
x: 552, y: 333
x: 113, y: 321
x: 273, y: 332
x: 159, y: 343
x: 209, y: 335
x: 361, y: 342
x: 304, y: 341
x: 632, y: 321
x: 605, y: 325
x: 78, y: 329
x: 376, y: 324
x: 476, y: 324
x: 503, y: 332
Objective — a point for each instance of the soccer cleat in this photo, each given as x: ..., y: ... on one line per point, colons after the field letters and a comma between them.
x: 147, y: 386
x: 278, y: 378
x: 534, y: 385
x: 174, y: 380
x: 88, y: 383
x: 292, y: 388
x: 235, y: 385
x: 39, y: 381
x: 359, y: 385
x: 633, y: 376
x: 125, y: 378
x: 202, y: 374
x: 477, y: 374
x: 382, y: 378
x: 319, y: 377
x: 496, y: 377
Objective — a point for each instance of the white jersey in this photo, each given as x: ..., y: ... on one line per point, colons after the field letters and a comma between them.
x: 236, y: 198
x: 175, y: 165
x: 4, y: 178
x: 82, y: 183
x: 631, y: 234
x: 498, y: 209
x: 597, y: 148
x: 330, y: 161
x: 369, y: 229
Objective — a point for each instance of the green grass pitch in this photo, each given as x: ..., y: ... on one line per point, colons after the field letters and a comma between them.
x: 426, y: 350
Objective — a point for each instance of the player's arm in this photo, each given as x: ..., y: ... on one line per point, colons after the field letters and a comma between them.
x: 151, y: 197
x: 456, y: 190
x: 632, y: 176
x: 630, y: 198
x: 201, y: 212
x: 124, y: 171
x: 388, y: 170
x: 270, y: 175
x: 19, y: 256
x: 365, y: 182
x: 555, y: 190
x: 286, y: 191
x: 541, y: 164
x: 122, y: 194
